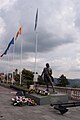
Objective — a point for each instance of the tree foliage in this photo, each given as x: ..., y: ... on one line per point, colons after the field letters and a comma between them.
x: 17, y: 77
x: 63, y: 81
x: 27, y: 74
x: 40, y: 80
x: 26, y: 77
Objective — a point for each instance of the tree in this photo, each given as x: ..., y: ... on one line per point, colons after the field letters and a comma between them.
x: 40, y: 80
x: 17, y: 77
x: 26, y: 78
x: 16, y: 71
x: 63, y: 81
x: 27, y: 74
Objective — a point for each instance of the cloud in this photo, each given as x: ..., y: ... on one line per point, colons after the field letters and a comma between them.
x: 58, y: 32
x: 2, y: 27
x: 6, y: 4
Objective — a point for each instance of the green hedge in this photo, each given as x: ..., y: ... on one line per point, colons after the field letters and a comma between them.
x: 18, y: 87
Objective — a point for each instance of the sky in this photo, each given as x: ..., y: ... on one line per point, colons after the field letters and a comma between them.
x: 58, y: 35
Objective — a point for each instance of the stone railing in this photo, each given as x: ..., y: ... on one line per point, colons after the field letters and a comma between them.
x: 73, y: 93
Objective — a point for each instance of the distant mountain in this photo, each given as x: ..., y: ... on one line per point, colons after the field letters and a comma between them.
x: 72, y: 82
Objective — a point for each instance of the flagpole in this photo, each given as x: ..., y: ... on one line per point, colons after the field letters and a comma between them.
x: 36, y: 53
x: 13, y: 64
x: 7, y: 67
x: 36, y: 34
x: 17, y: 34
x: 21, y: 62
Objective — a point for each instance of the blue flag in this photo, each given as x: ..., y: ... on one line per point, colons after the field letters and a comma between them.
x: 36, y: 19
x: 11, y: 42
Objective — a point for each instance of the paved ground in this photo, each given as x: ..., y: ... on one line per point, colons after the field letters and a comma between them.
x: 40, y: 112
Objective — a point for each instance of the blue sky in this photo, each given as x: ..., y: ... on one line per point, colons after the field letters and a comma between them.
x: 58, y: 35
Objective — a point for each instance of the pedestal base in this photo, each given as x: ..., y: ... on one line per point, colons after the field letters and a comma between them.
x: 58, y: 98
x: 49, y: 99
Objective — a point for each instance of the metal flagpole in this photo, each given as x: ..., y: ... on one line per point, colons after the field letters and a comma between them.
x: 21, y: 61
x: 36, y: 74
x: 7, y: 67
x: 13, y: 64
x: 36, y: 53
x: 35, y: 69
x: 17, y: 34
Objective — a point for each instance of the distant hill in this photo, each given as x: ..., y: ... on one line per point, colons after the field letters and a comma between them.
x: 72, y: 82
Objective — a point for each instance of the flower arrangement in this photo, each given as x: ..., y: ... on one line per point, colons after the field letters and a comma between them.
x: 42, y: 92
x: 21, y: 100
x: 37, y: 91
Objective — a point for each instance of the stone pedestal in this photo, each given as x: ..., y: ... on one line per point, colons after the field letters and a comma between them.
x: 58, y: 98
x: 39, y: 99
x: 52, y: 98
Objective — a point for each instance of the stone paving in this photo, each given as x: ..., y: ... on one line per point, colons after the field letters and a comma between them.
x: 39, y: 112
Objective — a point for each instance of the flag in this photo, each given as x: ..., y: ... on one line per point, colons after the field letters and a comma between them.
x: 11, y: 42
x: 36, y: 19
x: 18, y: 33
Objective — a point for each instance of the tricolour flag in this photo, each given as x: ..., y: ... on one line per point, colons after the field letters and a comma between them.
x: 18, y: 33
x: 36, y: 19
x: 11, y: 42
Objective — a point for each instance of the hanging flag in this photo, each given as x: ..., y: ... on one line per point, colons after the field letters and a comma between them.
x: 18, y: 33
x: 11, y: 42
x: 36, y: 19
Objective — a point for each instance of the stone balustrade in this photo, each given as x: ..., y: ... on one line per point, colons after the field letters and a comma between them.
x: 73, y: 93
